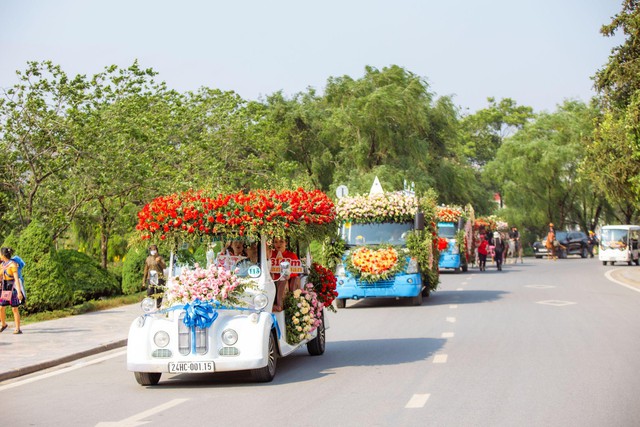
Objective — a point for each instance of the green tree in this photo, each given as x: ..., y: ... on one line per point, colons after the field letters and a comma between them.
x: 538, y: 168
x: 614, y: 155
x: 38, y: 118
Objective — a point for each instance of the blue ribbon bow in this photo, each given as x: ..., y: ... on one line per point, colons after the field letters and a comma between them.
x: 198, y: 314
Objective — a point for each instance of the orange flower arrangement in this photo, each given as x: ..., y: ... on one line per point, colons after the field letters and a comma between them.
x: 374, y: 265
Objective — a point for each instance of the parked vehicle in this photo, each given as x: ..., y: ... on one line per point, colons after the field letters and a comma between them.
x: 570, y: 243
x: 379, y: 260
x: 619, y: 243
x: 222, y: 317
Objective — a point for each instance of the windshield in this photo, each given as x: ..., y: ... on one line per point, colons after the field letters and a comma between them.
x: 561, y: 235
x: 447, y: 230
x: 375, y: 234
x: 612, y: 235
x: 241, y: 257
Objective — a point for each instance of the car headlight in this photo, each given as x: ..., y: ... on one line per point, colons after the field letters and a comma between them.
x: 161, y: 339
x: 229, y: 337
x: 260, y: 301
x: 412, y: 267
x: 340, y: 271
x: 148, y: 305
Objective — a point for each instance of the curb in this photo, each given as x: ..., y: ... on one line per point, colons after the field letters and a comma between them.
x: 51, y: 363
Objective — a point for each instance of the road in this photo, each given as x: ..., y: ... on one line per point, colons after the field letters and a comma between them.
x: 545, y: 343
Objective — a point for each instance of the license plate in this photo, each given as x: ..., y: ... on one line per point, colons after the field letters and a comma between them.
x: 187, y: 367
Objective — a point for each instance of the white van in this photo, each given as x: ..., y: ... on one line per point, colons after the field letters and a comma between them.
x: 619, y: 243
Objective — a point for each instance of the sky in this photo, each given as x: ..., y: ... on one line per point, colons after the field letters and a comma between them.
x: 537, y: 52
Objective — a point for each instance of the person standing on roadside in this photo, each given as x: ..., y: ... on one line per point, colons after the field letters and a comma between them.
x: 153, y: 276
x: 592, y: 242
x: 551, y: 242
x: 11, y: 282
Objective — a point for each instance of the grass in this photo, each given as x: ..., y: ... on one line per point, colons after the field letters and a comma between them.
x: 86, y: 307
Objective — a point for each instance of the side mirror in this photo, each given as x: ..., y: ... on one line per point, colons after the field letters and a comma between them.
x: 419, y: 221
x: 285, y: 270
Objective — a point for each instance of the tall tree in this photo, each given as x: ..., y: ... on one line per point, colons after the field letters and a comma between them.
x: 38, y: 119
x: 613, y: 158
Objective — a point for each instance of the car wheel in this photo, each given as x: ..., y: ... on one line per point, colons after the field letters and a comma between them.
x: 604, y: 262
x: 538, y: 256
x: 147, y: 378
x: 341, y: 303
x: 417, y: 300
x: 584, y: 253
x: 315, y: 347
x: 266, y: 374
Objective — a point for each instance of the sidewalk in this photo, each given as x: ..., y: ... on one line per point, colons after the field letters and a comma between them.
x: 53, y: 342
x: 46, y: 344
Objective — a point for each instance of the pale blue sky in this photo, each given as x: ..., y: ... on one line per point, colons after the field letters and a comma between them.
x: 536, y: 52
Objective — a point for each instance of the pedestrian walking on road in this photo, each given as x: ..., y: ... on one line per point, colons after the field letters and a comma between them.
x: 551, y: 243
x: 153, y: 276
x: 482, y: 253
x: 498, y: 249
x: 12, y: 283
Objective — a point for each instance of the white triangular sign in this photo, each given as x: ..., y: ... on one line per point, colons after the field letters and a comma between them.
x: 376, y: 188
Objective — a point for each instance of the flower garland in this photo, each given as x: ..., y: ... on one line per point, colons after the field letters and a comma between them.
x: 303, y: 314
x: 374, y: 264
x: 422, y: 246
x: 388, y: 207
x: 449, y: 213
x: 211, y: 284
x: 305, y: 213
x: 324, y: 284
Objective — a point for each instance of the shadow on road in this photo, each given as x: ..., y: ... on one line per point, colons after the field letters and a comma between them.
x: 300, y: 366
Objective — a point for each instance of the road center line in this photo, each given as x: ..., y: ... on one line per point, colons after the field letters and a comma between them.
x: 440, y: 358
x: 453, y: 306
x: 448, y: 335
x: 417, y: 401
x: 63, y: 370
x: 451, y: 319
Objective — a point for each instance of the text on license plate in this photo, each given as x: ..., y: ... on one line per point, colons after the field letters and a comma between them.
x: 183, y: 367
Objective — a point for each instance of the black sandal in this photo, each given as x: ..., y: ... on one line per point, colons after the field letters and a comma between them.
x: 4, y: 327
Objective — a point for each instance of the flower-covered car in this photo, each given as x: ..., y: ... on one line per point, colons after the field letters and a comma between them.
x: 220, y: 316
x: 390, y: 247
x: 455, y: 237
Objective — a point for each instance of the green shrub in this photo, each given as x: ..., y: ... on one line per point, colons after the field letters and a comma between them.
x: 85, y: 276
x: 132, y: 270
x: 44, y: 280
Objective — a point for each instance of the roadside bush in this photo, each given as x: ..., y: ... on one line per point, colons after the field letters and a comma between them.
x: 44, y: 280
x: 132, y: 270
x: 85, y: 276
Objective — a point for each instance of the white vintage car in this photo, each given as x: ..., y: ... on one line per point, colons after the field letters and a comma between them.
x: 242, y: 337
x: 222, y: 318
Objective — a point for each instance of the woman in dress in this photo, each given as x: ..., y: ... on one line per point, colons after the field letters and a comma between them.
x: 11, y: 281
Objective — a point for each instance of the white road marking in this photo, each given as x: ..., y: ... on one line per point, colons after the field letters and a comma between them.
x: 138, y: 419
x: 62, y: 371
x: 451, y: 319
x: 460, y: 289
x: 539, y: 286
x: 556, y: 303
x: 417, y: 401
x: 448, y: 335
x: 440, y: 358
x: 610, y: 277
x: 464, y: 283
x: 453, y: 306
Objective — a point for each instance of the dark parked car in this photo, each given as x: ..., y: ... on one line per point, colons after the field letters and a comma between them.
x: 571, y: 243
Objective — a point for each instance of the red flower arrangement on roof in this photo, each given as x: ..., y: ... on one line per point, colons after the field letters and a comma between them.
x: 242, y: 214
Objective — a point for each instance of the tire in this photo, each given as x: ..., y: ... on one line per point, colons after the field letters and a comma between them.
x: 417, y: 300
x: 638, y: 261
x: 266, y: 374
x: 147, y: 378
x: 630, y: 262
x: 563, y: 254
x: 316, y: 346
x: 341, y: 303
x: 457, y: 270
x: 539, y: 256
x: 604, y: 262
x: 584, y: 253
x: 426, y: 292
